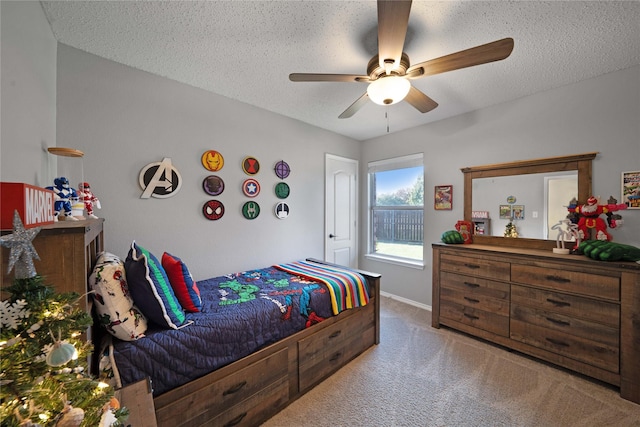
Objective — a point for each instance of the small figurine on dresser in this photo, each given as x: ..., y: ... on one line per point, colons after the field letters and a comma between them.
x: 89, y: 199
x: 63, y: 196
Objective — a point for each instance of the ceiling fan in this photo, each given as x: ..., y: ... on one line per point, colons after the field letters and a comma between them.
x: 389, y: 72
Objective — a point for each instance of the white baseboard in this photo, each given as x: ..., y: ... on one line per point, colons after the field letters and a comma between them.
x: 406, y: 301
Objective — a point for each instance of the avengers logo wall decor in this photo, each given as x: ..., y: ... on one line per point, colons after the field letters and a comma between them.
x: 160, y: 180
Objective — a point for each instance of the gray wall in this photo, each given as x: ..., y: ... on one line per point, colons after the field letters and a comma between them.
x: 124, y: 119
x: 28, y: 87
x: 601, y: 114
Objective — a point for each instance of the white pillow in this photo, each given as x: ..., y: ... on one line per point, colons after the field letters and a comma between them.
x: 114, y: 305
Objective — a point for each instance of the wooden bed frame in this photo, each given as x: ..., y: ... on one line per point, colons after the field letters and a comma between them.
x: 254, y: 388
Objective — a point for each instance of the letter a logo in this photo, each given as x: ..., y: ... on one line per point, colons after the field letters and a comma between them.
x: 160, y: 180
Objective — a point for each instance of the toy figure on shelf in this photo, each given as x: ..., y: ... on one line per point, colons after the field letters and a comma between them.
x: 89, y: 199
x: 63, y: 196
x: 587, y: 217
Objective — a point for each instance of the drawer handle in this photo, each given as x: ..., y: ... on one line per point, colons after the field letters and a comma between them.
x: 236, y: 388
x: 335, y: 356
x: 558, y: 279
x: 472, y: 266
x: 559, y: 322
x: 471, y: 316
x: 335, y: 334
x: 559, y: 303
x: 473, y: 300
x: 557, y: 342
x: 236, y: 420
x: 471, y: 285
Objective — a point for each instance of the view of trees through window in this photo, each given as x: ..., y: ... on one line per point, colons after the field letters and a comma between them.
x: 397, y: 207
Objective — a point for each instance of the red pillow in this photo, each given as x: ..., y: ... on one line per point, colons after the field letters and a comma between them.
x: 182, y: 283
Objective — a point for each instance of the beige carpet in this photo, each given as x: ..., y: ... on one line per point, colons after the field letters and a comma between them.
x: 421, y: 376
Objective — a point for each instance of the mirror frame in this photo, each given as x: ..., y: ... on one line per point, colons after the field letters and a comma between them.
x: 577, y: 162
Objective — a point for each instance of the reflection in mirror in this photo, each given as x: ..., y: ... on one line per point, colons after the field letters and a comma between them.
x: 579, y: 163
x: 540, y: 201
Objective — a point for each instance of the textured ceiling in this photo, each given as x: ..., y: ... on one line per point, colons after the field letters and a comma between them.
x: 245, y: 50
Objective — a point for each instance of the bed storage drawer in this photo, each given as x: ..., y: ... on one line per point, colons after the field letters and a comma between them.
x: 230, y: 394
x: 253, y: 411
x: 325, y: 352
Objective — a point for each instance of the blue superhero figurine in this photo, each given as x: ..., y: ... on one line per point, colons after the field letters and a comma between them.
x: 63, y: 195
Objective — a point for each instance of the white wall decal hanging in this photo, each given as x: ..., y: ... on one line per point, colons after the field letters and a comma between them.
x: 160, y: 180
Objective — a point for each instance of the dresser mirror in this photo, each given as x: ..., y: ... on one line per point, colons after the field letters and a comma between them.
x: 516, y: 179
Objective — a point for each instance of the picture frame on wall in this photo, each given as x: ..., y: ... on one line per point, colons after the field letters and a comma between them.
x: 631, y: 189
x: 505, y: 211
x: 443, y: 198
x: 517, y: 211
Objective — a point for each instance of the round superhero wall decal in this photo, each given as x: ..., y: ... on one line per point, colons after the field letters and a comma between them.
x: 282, y: 169
x: 250, y: 165
x: 282, y: 190
x: 160, y: 180
x: 213, y: 185
x: 213, y: 210
x: 281, y: 210
x: 251, y: 187
x: 251, y: 210
x: 212, y: 160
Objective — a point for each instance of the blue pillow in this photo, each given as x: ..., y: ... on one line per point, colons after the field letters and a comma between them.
x: 151, y: 289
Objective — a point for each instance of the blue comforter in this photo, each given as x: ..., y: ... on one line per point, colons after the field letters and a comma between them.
x: 241, y: 313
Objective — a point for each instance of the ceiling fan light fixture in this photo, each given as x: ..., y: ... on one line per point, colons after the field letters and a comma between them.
x: 388, y: 90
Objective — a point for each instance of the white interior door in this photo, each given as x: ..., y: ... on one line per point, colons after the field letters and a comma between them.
x: 341, y: 211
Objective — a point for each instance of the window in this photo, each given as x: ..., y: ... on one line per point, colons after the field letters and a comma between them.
x: 396, y: 208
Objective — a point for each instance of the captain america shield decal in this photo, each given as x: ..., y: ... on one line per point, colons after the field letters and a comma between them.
x: 251, y: 187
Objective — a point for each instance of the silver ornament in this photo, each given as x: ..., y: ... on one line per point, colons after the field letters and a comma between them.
x: 22, y: 250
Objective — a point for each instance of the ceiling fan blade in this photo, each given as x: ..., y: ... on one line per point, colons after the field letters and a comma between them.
x: 490, y: 52
x: 310, y: 77
x: 420, y: 101
x: 393, y: 20
x: 353, y: 108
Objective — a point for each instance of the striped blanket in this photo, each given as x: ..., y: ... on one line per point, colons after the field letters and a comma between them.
x: 347, y: 288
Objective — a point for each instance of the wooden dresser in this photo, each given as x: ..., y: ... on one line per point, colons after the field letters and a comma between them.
x: 67, y: 251
x: 569, y: 310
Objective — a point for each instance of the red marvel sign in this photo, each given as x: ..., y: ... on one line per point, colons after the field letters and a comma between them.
x: 34, y: 204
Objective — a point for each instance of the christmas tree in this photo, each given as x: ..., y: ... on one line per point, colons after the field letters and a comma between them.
x: 510, y: 230
x: 44, y: 379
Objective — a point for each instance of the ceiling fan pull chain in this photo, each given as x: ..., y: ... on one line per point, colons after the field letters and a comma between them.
x: 386, y: 116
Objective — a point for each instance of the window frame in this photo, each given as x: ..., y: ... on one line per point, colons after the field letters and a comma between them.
x: 395, y: 163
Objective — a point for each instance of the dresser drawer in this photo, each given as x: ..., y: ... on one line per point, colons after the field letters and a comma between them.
x: 481, y: 319
x: 475, y: 300
x: 603, y: 312
x: 328, y: 350
x: 588, y: 284
x: 566, y: 324
x: 574, y: 347
x: 479, y: 267
x: 475, y: 287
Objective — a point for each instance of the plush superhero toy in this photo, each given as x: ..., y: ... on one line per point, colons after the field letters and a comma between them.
x: 63, y: 195
x: 87, y: 196
x: 588, y: 218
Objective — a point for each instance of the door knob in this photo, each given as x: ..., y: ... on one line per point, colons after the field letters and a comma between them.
x: 331, y: 236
